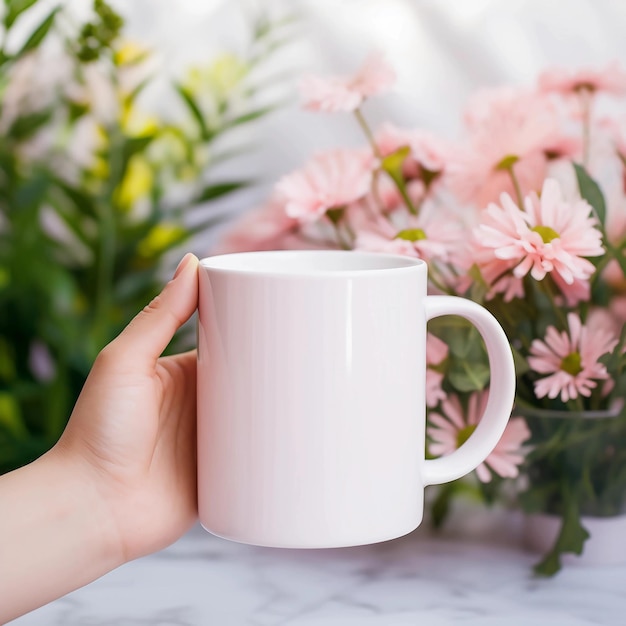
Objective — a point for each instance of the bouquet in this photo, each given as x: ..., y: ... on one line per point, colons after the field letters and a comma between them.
x: 98, y: 191
x: 525, y: 214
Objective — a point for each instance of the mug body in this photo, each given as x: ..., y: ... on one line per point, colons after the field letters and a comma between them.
x: 311, y: 408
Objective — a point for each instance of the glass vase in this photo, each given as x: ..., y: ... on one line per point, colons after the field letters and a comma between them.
x: 574, y: 486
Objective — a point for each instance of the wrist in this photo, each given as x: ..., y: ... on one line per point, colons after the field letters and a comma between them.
x: 57, y: 536
x: 81, y: 499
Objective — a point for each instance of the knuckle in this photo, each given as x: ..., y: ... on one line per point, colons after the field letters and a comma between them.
x: 107, y: 356
x: 153, y: 305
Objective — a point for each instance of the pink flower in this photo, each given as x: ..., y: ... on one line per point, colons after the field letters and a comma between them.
x: 266, y: 228
x: 330, y: 180
x: 579, y: 290
x: 425, y: 237
x: 428, y: 152
x: 611, y: 79
x: 571, y: 359
x: 496, y: 273
x: 347, y: 93
x: 549, y: 236
x: 449, y: 431
x: 389, y: 197
x: 611, y: 318
x: 507, y: 130
x: 436, y: 353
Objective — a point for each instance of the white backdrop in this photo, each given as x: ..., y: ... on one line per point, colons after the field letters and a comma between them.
x: 442, y: 50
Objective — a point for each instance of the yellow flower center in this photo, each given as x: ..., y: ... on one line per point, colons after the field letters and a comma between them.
x: 507, y: 162
x: 411, y: 234
x: 572, y: 364
x: 546, y: 233
x: 464, y: 434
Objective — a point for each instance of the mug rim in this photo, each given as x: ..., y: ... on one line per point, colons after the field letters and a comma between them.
x: 355, y: 263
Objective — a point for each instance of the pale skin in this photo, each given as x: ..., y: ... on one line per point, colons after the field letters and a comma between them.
x: 121, y: 482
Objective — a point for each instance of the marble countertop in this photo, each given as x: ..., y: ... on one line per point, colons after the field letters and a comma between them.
x: 476, y: 573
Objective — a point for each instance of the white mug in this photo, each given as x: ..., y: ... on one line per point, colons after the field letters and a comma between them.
x: 311, y: 396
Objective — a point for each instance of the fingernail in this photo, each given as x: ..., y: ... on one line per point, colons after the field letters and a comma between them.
x: 183, y: 262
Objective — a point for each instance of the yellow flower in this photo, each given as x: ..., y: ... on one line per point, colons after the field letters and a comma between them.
x: 136, y: 184
x: 219, y: 78
x: 160, y: 237
x: 130, y: 53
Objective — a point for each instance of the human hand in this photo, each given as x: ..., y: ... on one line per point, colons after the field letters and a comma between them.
x: 132, y: 431
x: 121, y: 481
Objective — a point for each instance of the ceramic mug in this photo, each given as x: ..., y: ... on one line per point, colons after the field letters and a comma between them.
x: 311, y: 396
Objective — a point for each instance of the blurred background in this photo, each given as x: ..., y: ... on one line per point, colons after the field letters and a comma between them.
x: 133, y: 132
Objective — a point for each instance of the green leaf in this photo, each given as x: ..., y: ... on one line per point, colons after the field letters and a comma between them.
x: 335, y: 215
x: 212, y: 192
x: 82, y: 200
x: 250, y: 116
x: 591, y: 192
x: 411, y: 234
x: 32, y: 191
x: 10, y: 417
x: 26, y: 126
x: 466, y: 376
x: 520, y: 362
x: 194, y: 109
x: 392, y: 163
x: 14, y: 9
x: 572, y: 537
x: 39, y: 34
x: 134, y: 145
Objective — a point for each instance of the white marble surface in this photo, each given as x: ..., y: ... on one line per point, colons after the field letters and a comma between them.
x: 419, y: 579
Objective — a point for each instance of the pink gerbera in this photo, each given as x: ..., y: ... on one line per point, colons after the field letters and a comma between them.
x: 612, y: 79
x: 428, y: 152
x: 436, y: 354
x: 507, y: 131
x: 330, y: 180
x: 571, y: 358
x: 347, y: 93
x: 267, y: 228
x: 431, y: 235
x: 549, y: 235
x: 450, y: 431
x: 425, y: 237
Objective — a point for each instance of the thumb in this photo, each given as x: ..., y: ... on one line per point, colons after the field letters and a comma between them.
x: 149, y: 333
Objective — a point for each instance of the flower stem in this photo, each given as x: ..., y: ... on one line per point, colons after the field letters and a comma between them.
x: 548, y: 288
x: 585, y: 105
x: 368, y: 132
x: 437, y: 281
x: 397, y: 179
x: 340, y: 239
x: 516, y: 186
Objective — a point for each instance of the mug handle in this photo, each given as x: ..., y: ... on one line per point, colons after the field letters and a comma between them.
x: 501, y: 391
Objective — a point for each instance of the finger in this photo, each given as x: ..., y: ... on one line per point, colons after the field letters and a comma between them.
x: 149, y: 333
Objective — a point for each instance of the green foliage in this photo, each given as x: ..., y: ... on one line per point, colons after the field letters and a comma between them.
x: 590, y: 191
x: 98, y: 36
x: 84, y: 243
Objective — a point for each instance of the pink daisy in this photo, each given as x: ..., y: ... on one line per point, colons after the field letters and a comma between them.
x: 496, y: 273
x: 424, y: 237
x: 347, y: 93
x: 330, y: 180
x: 267, y: 228
x: 428, y: 152
x: 436, y: 353
x: 549, y: 236
x: 389, y: 197
x: 450, y: 431
x: 506, y: 130
x: 612, y: 79
x: 571, y: 358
